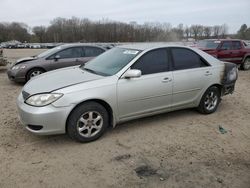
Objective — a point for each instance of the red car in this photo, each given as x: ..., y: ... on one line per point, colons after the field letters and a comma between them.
x: 231, y: 50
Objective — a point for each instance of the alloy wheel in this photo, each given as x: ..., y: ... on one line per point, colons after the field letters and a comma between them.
x: 89, y: 124
x: 211, y: 101
x: 247, y: 64
x: 35, y: 73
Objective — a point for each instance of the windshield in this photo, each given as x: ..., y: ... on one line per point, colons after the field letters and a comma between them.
x: 111, y: 62
x: 49, y: 52
x: 208, y: 44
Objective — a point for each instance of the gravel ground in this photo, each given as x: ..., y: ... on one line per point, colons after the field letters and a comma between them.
x: 177, y: 149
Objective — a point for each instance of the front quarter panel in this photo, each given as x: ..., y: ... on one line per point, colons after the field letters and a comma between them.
x: 104, y: 89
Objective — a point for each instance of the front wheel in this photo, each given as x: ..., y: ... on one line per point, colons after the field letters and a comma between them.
x: 34, y: 72
x: 210, y: 100
x: 87, y: 122
x: 246, y: 64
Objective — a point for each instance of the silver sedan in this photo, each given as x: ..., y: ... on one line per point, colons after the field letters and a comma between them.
x: 124, y: 83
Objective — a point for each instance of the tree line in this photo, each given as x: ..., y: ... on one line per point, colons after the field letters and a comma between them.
x: 85, y: 30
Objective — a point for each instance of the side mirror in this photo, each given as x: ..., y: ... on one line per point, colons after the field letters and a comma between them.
x: 57, y: 57
x: 132, y: 73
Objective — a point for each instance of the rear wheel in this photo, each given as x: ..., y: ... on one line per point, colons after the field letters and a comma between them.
x: 246, y: 64
x: 87, y: 122
x: 34, y: 72
x: 210, y: 100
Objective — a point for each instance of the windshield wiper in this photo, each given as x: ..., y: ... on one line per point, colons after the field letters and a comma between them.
x: 90, y: 70
x: 94, y: 72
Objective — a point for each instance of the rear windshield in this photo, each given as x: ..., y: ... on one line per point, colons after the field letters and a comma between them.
x: 208, y: 44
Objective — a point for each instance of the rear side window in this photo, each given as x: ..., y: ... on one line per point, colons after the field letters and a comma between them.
x: 92, y: 51
x: 186, y: 59
x: 236, y: 45
x: 155, y: 61
x: 71, y: 53
x: 226, y: 45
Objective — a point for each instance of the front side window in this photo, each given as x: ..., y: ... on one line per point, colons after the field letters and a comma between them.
x: 236, y: 45
x: 92, y: 51
x: 186, y: 59
x: 71, y: 53
x: 49, y: 52
x: 152, y: 62
x: 226, y: 45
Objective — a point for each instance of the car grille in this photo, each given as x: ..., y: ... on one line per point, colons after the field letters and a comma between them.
x: 25, y: 95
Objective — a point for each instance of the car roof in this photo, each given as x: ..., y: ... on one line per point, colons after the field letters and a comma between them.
x: 152, y: 45
x: 221, y: 40
x: 80, y: 44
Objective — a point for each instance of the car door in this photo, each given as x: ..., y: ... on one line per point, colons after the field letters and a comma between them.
x: 237, y: 52
x: 191, y: 75
x: 66, y: 57
x: 225, y: 51
x: 149, y: 93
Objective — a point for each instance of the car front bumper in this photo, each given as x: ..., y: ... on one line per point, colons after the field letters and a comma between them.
x: 16, y: 75
x: 228, y: 89
x: 45, y: 120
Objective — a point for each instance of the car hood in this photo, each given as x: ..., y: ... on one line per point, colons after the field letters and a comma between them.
x: 58, y: 79
x: 209, y: 51
x: 24, y: 60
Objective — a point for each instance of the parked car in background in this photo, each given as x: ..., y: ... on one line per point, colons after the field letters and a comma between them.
x: 62, y: 56
x: 124, y: 83
x: 230, y: 50
x: 35, y: 46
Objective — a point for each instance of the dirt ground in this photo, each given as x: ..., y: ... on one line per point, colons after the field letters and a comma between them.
x: 177, y: 149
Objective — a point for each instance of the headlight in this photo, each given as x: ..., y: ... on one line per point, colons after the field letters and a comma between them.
x: 43, y: 99
x: 232, y: 74
x: 16, y: 67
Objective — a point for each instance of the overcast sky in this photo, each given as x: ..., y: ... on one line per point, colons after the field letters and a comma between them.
x: 206, y: 12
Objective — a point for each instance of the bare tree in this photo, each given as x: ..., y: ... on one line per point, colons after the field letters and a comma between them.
x: 224, y: 30
x: 85, y: 30
x: 196, y: 31
x: 216, y: 31
x: 40, y: 32
x: 187, y: 32
x: 207, y: 31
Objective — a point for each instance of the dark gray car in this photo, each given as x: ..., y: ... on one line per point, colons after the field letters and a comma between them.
x: 55, y: 58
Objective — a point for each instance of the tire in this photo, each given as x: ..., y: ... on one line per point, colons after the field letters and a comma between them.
x: 246, y: 64
x: 87, y: 122
x: 34, y: 72
x: 210, y: 100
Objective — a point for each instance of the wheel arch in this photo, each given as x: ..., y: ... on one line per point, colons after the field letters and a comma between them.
x: 37, y: 67
x: 101, y: 102
x: 219, y: 86
x: 204, y: 91
x: 245, y: 57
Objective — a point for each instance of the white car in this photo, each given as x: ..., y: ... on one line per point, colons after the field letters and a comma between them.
x: 124, y: 83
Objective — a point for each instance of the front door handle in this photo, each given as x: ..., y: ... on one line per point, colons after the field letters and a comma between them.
x: 164, y: 80
x: 208, y: 73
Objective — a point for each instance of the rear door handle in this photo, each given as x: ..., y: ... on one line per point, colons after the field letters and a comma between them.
x: 164, y: 80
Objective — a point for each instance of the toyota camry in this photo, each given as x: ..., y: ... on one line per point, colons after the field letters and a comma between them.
x: 124, y: 83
